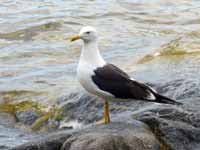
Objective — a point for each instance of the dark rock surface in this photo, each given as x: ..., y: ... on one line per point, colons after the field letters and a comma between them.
x: 175, y: 128
x: 88, y: 109
x: 136, y: 125
x: 114, y: 136
x: 48, y: 142
x: 27, y: 117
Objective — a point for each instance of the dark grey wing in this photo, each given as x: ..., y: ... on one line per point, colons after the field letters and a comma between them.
x: 111, y: 79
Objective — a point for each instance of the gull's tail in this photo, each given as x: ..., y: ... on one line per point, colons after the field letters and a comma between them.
x: 165, y: 100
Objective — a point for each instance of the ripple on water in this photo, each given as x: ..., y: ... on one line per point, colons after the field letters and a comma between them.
x: 10, y: 137
x: 175, y: 47
x: 28, y: 33
x: 34, y: 49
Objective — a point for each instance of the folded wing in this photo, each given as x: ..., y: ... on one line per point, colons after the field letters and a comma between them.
x: 111, y: 79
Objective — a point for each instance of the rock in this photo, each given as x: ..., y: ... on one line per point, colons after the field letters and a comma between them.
x: 76, y: 107
x: 27, y: 117
x: 2, y: 147
x: 86, y: 108
x: 114, y: 136
x: 49, y: 142
x: 159, y: 126
x: 175, y: 127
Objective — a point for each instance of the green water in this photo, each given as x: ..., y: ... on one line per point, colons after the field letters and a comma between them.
x: 155, y: 41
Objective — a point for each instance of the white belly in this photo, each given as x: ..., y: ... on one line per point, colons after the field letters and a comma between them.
x: 84, y: 74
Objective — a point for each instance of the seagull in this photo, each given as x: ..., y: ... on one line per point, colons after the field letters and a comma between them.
x: 107, y: 81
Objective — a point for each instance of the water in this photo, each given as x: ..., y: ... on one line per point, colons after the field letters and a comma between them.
x: 11, y: 137
x: 155, y: 41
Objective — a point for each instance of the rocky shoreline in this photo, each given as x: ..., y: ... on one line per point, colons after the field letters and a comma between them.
x: 112, y: 136
x: 135, y: 126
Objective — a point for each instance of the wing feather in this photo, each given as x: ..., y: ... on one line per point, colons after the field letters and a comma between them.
x: 111, y: 79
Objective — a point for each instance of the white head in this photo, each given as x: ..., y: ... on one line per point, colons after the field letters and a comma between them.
x: 87, y: 34
x: 90, y: 52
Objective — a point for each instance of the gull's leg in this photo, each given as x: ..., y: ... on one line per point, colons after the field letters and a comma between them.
x: 106, y: 112
x: 106, y: 118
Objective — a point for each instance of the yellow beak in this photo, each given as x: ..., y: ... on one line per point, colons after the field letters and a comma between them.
x: 74, y: 37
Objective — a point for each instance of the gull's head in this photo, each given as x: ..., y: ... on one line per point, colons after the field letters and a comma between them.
x: 87, y: 34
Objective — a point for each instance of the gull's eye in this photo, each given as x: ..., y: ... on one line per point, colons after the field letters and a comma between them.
x: 87, y: 32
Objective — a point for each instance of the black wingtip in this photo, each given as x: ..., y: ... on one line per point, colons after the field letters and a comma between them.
x: 173, y: 102
x: 166, y: 100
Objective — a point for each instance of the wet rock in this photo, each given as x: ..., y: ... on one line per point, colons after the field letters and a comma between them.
x: 27, y: 117
x: 86, y: 108
x: 78, y: 106
x: 181, y: 90
x: 48, y: 142
x: 170, y: 127
x: 175, y: 127
x: 50, y: 126
x: 114, y: 136
x: 2, y: 147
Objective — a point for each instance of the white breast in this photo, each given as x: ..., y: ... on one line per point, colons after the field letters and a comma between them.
x: 84, y: 74
x: 90, y: 59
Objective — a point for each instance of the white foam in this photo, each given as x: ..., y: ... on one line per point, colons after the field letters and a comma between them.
x: 157, y: 54
x: 71, y: 124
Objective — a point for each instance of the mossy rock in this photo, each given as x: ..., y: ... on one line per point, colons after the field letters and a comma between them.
x: 26, y: 107
x: 20, y: 106
x: 55, y: 114
x: 7, y: 108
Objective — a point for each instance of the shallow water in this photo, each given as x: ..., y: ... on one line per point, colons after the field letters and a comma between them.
x: 156, y: 41
x: 10, y: 137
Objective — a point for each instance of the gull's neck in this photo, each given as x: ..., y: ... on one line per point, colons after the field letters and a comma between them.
x: 90, y: 54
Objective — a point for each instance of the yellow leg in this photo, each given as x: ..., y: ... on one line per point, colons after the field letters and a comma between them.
x: 106, y: 112
x: 106, y: 118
